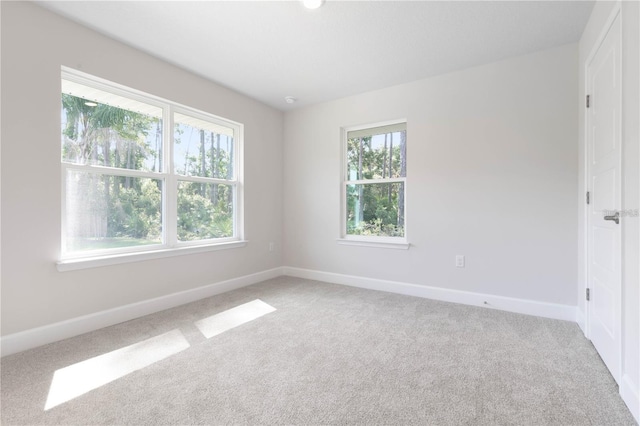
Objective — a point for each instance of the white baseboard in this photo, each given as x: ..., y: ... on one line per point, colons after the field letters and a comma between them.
x: 630, y: 393
x: 35, y: 337
x: 18, y: 342
x: 520, y: 306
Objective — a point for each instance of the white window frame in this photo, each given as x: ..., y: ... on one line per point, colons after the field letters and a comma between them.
x: 401, y: 243
x: 170, y: 245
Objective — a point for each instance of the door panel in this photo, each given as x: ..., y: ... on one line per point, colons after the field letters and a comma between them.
x: 604, y: 184
x: 604, y: 247
x: 604, y: 79
x: 603, y: 298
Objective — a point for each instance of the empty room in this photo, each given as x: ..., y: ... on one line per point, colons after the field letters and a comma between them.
x: 320, y: 212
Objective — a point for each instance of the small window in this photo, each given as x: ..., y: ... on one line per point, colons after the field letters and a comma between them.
x: 374, y: 182
x: 121, y: 193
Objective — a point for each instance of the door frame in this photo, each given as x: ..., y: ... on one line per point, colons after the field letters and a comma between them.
x: 616, y: 13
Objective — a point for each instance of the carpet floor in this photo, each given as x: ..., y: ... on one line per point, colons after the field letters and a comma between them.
x: 308, y: 352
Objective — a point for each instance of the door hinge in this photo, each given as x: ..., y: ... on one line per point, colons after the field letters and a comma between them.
x: 588, y: 197
x: 588, y: 99
x: 588, y: 295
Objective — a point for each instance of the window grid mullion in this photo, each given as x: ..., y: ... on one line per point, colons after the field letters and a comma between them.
x: 200, y: 179
x: 112, y: 171
x: 374, y: 181
x: 171, y: 191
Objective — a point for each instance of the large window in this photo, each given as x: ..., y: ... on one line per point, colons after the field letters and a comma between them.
x: 374, y: 183
x: 144, y: 174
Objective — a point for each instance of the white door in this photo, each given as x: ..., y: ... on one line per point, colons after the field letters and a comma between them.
x: 604, y: 174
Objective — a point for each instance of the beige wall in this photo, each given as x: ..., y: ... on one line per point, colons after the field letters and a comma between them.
x: 35, y: 44
x: 492, y: 174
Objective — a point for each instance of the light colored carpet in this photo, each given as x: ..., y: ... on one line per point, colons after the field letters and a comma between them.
x: 330, y: 354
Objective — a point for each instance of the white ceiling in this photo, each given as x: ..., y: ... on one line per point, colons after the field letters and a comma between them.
x: 272, y: 49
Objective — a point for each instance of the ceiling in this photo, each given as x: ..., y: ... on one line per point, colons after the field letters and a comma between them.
x: 272, y: 49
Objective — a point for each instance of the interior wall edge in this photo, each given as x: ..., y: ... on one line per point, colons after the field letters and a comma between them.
x: 39, y: 336
x: 509, y: 304
x: 581, y: 320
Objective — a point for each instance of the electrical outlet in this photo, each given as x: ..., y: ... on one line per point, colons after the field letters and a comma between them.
x: 272, y: 246
x: 459, y: 261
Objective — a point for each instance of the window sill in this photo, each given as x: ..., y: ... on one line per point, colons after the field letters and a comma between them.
x: 375, y: 244
x: 98, y: 261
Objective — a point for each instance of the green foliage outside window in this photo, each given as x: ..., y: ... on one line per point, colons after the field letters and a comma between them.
x: 108, y: 210
x: 376, y: 208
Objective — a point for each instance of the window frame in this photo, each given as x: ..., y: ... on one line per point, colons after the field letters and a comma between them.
x: 401, y: 243
x: 170, y: 244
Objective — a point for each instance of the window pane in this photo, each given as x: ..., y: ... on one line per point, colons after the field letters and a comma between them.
x: 101, y: 134
x: 376, y: 209
x: 104, y: 212
x: 205, y: 211
x: 202, y: 148
x: 377, y: 156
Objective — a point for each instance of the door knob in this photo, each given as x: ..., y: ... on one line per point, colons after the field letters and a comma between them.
x: 615, y: 218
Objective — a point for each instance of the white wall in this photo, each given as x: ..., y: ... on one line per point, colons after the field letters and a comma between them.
x: 631, y: 200
x: 35, y: 43
x: 630, y: 14
x: 492, y: 174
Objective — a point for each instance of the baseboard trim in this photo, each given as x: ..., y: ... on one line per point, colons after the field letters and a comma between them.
x: 520, y: 306
x: 39, y: 336
x: 630, y: 393
x: 28, y: 339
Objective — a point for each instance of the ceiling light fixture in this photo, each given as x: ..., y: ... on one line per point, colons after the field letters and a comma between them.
x: 290, y: 99
x: 91, y: 104
x: 312, y: 4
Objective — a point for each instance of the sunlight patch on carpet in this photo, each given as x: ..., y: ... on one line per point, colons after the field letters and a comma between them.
x: 77, y: 379
x: 231, y: 318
